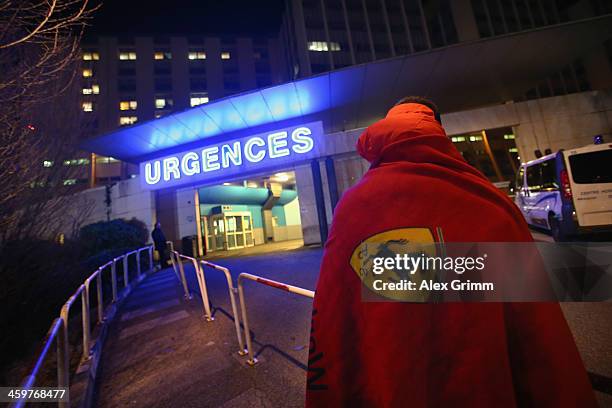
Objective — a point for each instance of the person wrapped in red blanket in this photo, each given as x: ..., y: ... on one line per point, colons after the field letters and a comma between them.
x: 394, y: 354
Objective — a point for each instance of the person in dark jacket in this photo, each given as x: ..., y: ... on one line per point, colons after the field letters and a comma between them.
x: 159, y: 239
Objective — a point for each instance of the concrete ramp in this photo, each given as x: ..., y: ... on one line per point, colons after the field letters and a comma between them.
x: 161, y: 352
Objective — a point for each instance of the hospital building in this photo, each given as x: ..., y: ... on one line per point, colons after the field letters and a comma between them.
x: 243, y: 142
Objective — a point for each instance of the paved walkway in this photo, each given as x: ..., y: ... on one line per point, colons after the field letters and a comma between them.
x: 268, y: 248
x: 162, y: 353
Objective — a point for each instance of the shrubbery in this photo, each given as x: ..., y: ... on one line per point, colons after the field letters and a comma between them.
x: 114, y: 234
x: 38, y: 277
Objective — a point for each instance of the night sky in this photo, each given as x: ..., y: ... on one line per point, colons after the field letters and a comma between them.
x: 149, y: 17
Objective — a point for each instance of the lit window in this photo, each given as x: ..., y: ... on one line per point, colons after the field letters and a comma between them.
x: 162, y: 55
x: 225, y: 55
x: 323, y: 46
x: 513, y: 150
x: 457, y: 139
x: 47, y: 163
x: 127, y: 55
x: 196, y: 55
x: 87, y: 73
x: 198, y: 99
x: 87, y: 106
x: 91, y: 56
x: 106, y: 160
x: 127, y: 120
x: 509, y: 137
x: 160, y: 103
x: 475, y: 138
x: 128, y: 105
x: 95, y: 89
x: 76, y: 162
x: 70, y: 182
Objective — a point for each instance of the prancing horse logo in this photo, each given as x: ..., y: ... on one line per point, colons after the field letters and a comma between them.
x: 388, y: 244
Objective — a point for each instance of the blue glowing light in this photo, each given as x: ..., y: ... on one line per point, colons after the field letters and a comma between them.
x: 237, y: 113
x: 257, y: 153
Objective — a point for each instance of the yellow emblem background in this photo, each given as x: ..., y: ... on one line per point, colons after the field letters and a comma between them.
x: 388, y: 244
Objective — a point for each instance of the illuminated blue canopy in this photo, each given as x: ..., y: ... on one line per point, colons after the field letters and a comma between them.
x: 457, y: 77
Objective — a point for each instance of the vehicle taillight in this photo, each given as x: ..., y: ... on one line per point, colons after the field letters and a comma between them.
x: 565, y: 185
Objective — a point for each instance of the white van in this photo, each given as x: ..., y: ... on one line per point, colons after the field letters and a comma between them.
x: 569, y: 192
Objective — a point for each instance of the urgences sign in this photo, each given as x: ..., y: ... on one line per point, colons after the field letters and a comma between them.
x: 230, y: 158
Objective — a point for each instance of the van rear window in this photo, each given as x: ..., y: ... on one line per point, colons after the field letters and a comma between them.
x: 593, y: 167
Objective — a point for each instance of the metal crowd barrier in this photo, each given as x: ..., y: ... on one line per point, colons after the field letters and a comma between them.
x: 179, y: 271
x: 178, y: 264
x: 245, y: 321
x: 59, y: 328
x: 232, y: 292
x: 170, y: 245
x: 178, y: 267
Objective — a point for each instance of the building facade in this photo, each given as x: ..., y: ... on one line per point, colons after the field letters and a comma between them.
x: 271, y: 163
x: 128, y: 80
x: 298, y: 196
x: 324, y: 35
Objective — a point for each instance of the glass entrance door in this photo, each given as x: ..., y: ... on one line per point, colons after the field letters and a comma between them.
x: 239, y: 230
x: 230, y: 231
x: 218, y: 232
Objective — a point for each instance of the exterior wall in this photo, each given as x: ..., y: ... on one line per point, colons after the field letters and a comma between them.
x: 292, y: 228
x: 165, y: 213
x: 349, y: 171
x: 329, y: 211
x: 363, y: 30
x: 186, y: 213
x: 127, y: 201
x: 292, y: 212
x: 287, y: 233
x: 559, y: 122
x: 598, y: 66
x: 258, y: 236
x: 371, y: 30
x: 465, y: 22
x: 308, y: 207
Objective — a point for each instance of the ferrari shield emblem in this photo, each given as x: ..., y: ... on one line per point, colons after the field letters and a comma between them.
x: 383, y: 263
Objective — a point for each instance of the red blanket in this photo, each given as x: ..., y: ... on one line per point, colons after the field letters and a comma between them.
x: 392, y: 354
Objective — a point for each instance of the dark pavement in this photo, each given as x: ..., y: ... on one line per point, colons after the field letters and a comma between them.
x: 162, y: 353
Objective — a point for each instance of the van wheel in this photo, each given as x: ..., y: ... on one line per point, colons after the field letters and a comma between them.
x: 555, y: 229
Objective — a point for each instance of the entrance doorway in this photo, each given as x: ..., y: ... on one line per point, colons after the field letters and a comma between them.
x: 230, y: 230
x: 246, y: 213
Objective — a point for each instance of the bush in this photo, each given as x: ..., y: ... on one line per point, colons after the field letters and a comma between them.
x: 112, y: 235
x: 39, y: 276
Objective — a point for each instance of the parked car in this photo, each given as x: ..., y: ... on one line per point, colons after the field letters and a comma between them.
x: 569, y: 192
